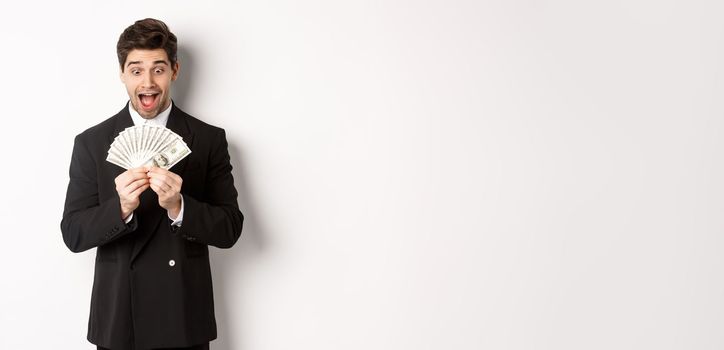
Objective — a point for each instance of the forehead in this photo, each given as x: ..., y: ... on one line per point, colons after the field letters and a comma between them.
x: 146, y: 57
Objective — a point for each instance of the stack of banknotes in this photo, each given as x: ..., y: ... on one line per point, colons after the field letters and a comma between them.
x: 147, y: 145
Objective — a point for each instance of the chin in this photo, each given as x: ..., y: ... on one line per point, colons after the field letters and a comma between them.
x: 144, y: 114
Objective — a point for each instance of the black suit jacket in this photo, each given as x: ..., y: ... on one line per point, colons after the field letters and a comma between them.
x: 152, y: 283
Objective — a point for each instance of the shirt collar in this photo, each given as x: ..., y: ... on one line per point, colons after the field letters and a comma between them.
x: 161, y: 119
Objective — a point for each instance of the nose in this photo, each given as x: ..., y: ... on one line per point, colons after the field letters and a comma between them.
x: 148, y: 81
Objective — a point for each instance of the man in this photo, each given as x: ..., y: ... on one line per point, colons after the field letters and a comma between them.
x: 152, y: 285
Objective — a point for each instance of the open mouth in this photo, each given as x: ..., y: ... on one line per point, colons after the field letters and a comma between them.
x: 148, y: 100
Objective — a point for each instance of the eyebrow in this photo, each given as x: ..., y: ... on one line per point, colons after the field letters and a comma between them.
x: 154, y: 62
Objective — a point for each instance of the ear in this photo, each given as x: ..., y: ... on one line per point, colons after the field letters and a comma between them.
x: 122, y: 76
x: 176, y: 68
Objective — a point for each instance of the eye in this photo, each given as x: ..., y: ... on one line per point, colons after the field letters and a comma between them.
x: 158, y: 70
x: 135, y: 72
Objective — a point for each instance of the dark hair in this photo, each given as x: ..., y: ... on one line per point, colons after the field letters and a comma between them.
x: 146, y: 34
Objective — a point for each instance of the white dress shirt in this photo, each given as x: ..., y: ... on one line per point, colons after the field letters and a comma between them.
x: 161, y: 119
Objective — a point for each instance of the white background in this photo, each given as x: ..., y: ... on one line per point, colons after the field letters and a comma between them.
x: 414, y: 174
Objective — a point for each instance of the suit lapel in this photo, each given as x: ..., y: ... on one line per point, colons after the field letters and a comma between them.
x: 123, y: 121
x: 177, y: 123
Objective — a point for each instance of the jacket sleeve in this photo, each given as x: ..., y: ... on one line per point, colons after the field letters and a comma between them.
x: 216, y: 220
x: 86, y: 222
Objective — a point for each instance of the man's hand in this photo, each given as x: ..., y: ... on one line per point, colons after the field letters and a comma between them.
x: 168, y: 187
x: 129, y: 185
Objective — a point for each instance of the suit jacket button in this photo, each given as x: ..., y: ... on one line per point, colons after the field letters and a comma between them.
x: 171, y: 263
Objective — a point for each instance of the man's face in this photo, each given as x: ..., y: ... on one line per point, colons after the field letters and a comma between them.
x: 147, y: 75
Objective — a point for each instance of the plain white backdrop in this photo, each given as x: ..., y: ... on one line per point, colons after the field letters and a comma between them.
x: 414, y: 174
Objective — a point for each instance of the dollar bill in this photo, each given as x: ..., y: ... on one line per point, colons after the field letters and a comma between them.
x: 147, y: 145
x: 170, y: 155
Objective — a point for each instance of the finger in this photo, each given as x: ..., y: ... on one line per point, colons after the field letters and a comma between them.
x: 134, y: 186
x: 159, y: 190
x: 142, y: 169
x: 170, y: 178
x: 161, y: 184
x: 133, y: 173
x: 138, y: 191
x: 128, y: 177
x: 153, y: 175
x: 138, y: 175
x: 162, y: 179
x: 156, y: 170
x: 162, y: 171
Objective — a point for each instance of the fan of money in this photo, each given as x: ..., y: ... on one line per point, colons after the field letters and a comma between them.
x: 147, y: 145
